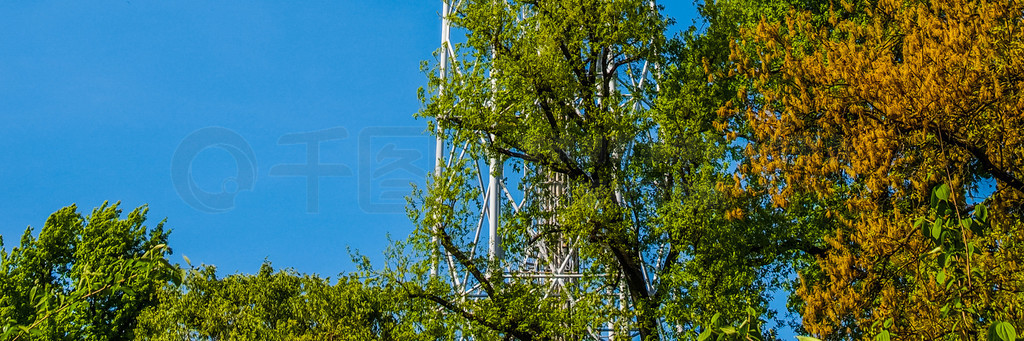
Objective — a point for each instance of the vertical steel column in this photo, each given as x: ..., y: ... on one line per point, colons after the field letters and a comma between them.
x: 442, y: 73
x: 494, y: 250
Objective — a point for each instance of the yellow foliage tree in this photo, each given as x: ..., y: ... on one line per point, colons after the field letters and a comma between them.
x: 868, y: 109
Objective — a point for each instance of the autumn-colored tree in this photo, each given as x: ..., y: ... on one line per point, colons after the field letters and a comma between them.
x: 869, y: 109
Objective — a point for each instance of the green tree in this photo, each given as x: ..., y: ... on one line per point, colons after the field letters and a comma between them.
x: 271, y: 305
x: 629, y: 168
x: 82, y: 277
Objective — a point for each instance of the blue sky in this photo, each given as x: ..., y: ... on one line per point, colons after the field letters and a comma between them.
x: 96, y: 100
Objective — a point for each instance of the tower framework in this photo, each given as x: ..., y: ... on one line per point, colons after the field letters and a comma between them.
x: 552, y: 261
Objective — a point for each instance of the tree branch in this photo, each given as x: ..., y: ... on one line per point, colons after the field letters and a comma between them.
x: 470, y: 316
x: 982, y: 157
x: 446, y: 242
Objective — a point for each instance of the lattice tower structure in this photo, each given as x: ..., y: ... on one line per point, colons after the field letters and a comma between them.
x: 552, y: 261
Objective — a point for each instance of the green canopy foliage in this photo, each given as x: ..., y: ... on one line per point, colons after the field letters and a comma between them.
x: 269, y: 305
x: 82, y: 277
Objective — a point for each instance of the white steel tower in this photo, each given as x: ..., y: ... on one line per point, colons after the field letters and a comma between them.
x: 553, y: 261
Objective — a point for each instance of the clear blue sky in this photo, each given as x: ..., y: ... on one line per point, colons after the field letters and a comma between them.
x: 96, y: 99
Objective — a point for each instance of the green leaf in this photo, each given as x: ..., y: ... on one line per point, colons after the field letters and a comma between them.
x: 936, y: 229
x: 1002, y: 331
x: 728, y: 329
x: 981, y: 212
x: 704, y: 335
x: 941, y: 276
x: 942, y: 192
x: 883, y: 336
x: 888, y: 323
